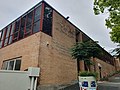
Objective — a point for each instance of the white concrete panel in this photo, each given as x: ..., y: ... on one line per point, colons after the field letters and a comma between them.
x: 16, y: 80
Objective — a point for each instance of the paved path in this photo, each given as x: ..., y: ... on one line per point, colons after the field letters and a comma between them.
x: 108, y: 86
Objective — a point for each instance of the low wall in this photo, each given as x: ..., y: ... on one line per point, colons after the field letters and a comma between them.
x: 19, y: 80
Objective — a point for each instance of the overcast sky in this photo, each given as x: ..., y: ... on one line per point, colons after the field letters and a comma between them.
x: 80, y: 12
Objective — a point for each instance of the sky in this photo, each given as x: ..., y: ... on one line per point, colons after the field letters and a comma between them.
x: 80, y: 12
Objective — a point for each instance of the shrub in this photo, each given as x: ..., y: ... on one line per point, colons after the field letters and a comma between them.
x: 86, y: 73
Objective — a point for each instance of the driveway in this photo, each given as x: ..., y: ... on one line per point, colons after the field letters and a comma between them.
x: 108, y: 86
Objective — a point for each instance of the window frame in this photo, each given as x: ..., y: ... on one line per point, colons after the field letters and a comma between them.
x: 30, y: 25
x: 7, y: 35
x: 44, y: 30
x: 15, y: 32
x: 37, y: 21
x: 8, y: 64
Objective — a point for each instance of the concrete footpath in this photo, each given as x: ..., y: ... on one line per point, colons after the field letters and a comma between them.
x: 108, y: 86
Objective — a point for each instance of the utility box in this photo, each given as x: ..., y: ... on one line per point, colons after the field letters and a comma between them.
x: 34, y: 71
x: 87, y: 83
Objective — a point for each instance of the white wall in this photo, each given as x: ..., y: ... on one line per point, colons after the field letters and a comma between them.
x: 16, y: 80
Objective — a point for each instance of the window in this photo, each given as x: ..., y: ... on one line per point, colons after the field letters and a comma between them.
x: 7, y: 35
x: 47, y: 21
x: 13, y: 64
x: 11, y: 33
x: 36, y: 27
x: 37, y: 14
x: 29, y: 23
x: 22, y: 27
x: 16, y: 31
x: 2, y: 37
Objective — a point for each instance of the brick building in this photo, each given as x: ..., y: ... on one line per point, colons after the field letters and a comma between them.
x: 42, y: 37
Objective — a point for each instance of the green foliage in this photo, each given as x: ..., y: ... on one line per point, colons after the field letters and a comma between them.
x: 85, y: 74
x: 79, y: 51
x: 106, y: 78
x: 113, y: 21
x: 84, y: 51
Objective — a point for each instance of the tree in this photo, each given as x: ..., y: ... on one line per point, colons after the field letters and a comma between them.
x: 84, y: 51
x: 113, y: 21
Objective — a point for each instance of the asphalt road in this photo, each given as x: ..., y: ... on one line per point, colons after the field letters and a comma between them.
x: 108, y: 86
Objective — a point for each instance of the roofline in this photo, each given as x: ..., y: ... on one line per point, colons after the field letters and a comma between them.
x: 43, y: 1
x: 75, y: 26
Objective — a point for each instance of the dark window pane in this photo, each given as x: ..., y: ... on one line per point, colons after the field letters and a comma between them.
x: 5, y: 65
x: 6, y: 41
x: 1, y: 43
x: 8, y: 31
x: 15, y: 34
x: 29, y: 18
x: 10, y: 40
x: 16, y: 30
x: 28, y: 33
x: 3, y: 34
x: 29, y: 23
x: 7, y: 35
x: 17, y: 65
x: 11, y: 64
x: 12, y: 29
x: 47, y: 21
x: 17, y: 25
x: 22, y: 23
x: 37, y: 14
x: 21, y: 34
x: 0, y: 34
x: 0, y: 39
x: 22, y: 26
x: 36, y: 27
x: 28, y: 28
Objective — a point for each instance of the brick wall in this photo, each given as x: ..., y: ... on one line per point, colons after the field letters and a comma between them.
x: 51, y: 54
x: 27, y: 48
x: 106, y: 68
x: 57, y: 65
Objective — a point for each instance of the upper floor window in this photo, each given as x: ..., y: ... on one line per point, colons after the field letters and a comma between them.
x: 47, y: 21
x: 29, y: 23
x: 7, y: 35
x: 16, y: 30
x: 12, y: 64
x: 0, y: 39
x: 11, y: 32
x: 37, y: 14
x: 3, y: 34
x: 24, y: 26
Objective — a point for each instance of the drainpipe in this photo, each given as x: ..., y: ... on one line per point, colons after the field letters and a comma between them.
x: 33, y: 75
x: 32, y: 83
x: 35, y: 84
